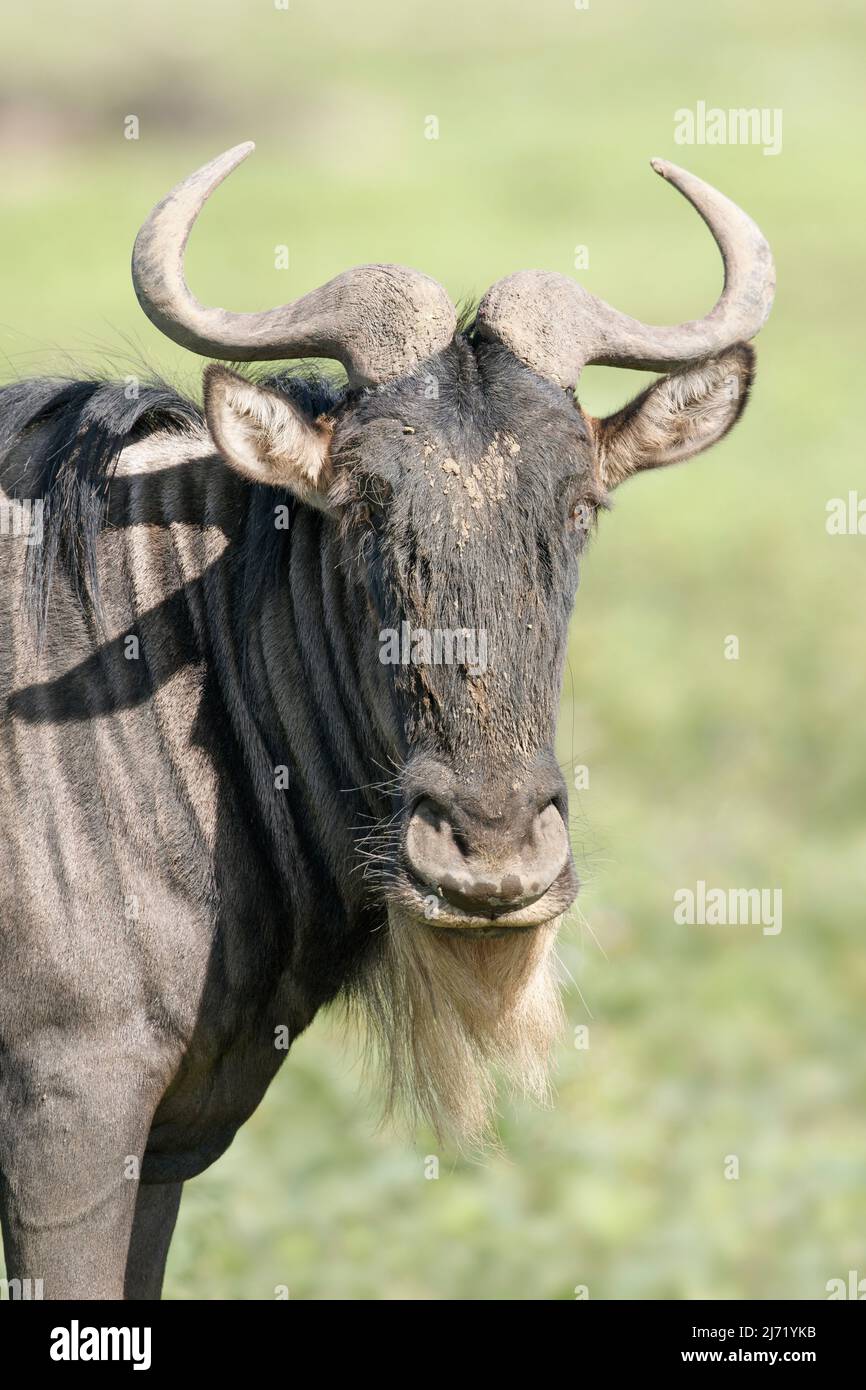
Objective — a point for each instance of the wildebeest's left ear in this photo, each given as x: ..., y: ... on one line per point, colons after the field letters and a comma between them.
x: 676, y: 417
x: 264, y: 436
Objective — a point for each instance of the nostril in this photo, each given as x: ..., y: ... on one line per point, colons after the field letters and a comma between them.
x: 548, y: 826
x: 461, y: 844
x: 428, y: 811
x: 430, y: 847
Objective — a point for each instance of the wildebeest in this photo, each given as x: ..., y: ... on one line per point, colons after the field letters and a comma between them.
x: 223, y: 806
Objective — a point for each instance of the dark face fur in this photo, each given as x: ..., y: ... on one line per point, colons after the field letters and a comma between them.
x: 466, y: 495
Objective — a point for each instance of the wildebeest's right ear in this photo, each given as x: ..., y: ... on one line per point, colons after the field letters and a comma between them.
x: 264, y: 436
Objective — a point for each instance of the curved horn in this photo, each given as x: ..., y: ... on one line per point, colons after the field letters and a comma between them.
x: 378, y: 320
x: 556, y: 327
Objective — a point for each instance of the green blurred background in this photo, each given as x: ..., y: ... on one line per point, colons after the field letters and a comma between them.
x: 703, y: 1042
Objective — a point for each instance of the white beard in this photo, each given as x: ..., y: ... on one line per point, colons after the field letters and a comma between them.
x: 447, y: 1012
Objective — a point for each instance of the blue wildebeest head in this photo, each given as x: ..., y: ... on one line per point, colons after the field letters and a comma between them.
x: 458, y: 478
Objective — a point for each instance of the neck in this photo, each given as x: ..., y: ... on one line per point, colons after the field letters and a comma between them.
x: 312, y: 712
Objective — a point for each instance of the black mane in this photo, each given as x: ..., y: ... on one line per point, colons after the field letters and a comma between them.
x: 82, y: 428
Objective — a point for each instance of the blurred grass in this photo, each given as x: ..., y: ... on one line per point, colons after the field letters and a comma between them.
x: 704, y: 1042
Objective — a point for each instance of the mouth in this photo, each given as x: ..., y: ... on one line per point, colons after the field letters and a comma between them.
x: 424, y: 907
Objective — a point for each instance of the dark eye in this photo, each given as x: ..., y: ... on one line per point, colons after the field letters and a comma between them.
x: 579, y: 505
x: 582, y: 515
